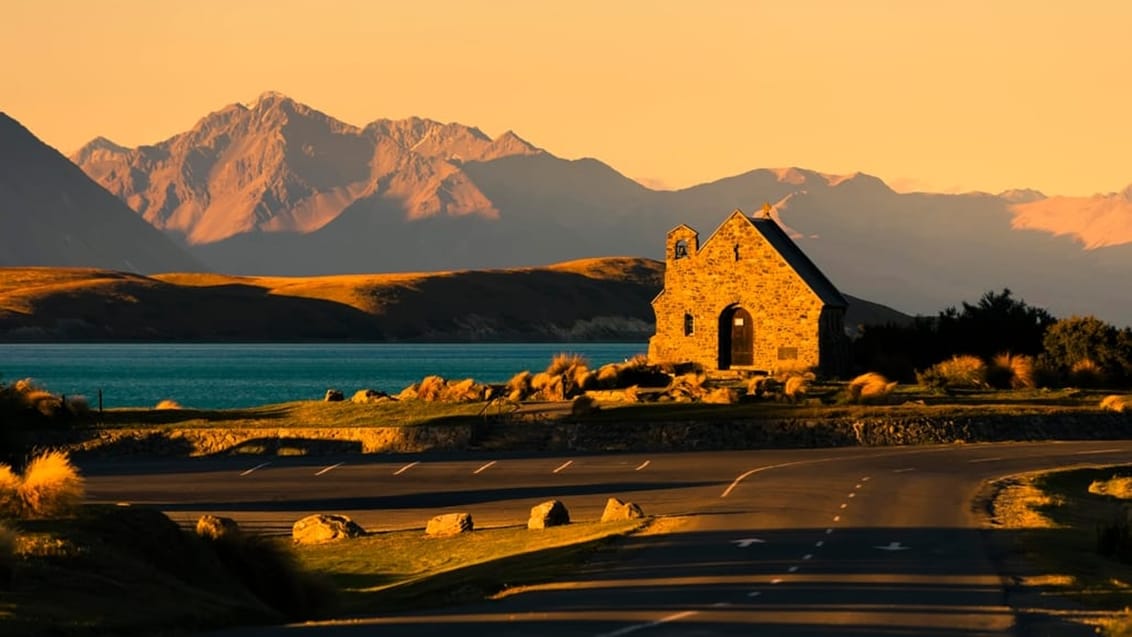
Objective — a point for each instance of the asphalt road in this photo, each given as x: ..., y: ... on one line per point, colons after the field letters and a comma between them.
x: 854, y: 541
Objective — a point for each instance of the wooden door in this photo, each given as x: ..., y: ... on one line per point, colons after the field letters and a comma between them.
x: 742, y: 338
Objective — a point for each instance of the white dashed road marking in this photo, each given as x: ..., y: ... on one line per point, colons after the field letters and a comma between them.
x: 331, y: 467
x: 793, y: 569
x: 564, y: 465
x: 904, y: 470
x: 978, y: 460
x: 664, y: 620
x: 819, y: 543
x: 642, y: 465
x: 829, y: 531
x: 1089, y: 453
x: 485, y: 467
x: 808, y: 556
x: 258, y: 466
x: 754, y: 594
x: 406, y: 468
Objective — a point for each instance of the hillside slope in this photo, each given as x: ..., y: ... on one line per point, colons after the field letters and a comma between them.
x: 52, y: 214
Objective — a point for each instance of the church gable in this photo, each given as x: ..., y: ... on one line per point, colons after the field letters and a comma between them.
x: 746, y: 297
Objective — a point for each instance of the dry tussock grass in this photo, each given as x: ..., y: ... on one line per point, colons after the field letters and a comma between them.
x: 519, y: 387
x: 1119, y: 404
x: 720, y: 396
x: 1011, y: 371
x: 869, y: 387
x: 566, y: 362
x: 1117, y: 487
x: 963, y: 371
x: 168, y: 404
x: 49, y: 487
x: 796, y: 388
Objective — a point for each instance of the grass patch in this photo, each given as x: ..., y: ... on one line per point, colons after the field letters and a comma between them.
x: 298, y: 414
x: 1057, y: 520
x: 408, y: 569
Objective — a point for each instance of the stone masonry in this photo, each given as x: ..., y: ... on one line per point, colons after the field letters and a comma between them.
x: 752, y: 264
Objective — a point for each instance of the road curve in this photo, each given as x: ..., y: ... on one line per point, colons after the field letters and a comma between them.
x: 852, y: 541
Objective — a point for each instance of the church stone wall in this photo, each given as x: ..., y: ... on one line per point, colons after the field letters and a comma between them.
x: 738, y: 267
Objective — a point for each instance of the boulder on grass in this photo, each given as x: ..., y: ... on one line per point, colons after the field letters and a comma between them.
x: 215, y: 527
x: 334, y: 396
x: 616, y: 510
x: 322, y: 527
x: 549, y: 513
x: 449, y: 524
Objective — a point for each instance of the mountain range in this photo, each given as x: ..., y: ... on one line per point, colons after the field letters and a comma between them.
x: 278, y: 188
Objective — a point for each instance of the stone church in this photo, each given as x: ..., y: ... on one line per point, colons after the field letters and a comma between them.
x: 748, y: 299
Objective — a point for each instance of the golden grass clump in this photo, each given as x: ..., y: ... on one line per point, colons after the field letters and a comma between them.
x: 51, y: 486
x: 1116, y: 403
x: 565, y: 362
x: 168, y: 403
x: 1087, y: 373
x: 431, y: 388
x: 796, y: 388
x: 870, y: 387
x: 1117, y: 487
x: 1011, y: 371
x: 607, y: 375
x: 519, y: 387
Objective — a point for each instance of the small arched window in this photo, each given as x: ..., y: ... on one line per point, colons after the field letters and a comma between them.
x: 681, y: 249
x: 736, y: 248
x: 689, y: 324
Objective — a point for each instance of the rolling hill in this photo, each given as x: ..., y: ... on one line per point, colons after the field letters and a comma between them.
x: 588, y: 300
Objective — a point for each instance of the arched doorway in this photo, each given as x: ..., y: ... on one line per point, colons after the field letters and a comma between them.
x: 736, y: 338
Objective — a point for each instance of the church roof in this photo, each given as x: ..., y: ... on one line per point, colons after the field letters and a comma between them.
x: 777, y: 238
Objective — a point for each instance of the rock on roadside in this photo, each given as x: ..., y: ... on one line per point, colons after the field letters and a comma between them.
x: 321, y: 527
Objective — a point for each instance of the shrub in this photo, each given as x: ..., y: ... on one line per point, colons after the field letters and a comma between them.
x: 168, y: 404
x: 51, y: 486
x: 270, y: 570
x: 1087, y: 373
x: 796, y: 388
x: 8, y: 557
x: 720, y: 396
x: 963, y: 371
x: 868, y: 388
x: 583, y: 405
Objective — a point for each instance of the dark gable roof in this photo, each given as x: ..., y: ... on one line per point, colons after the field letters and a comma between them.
x: 777, y: 237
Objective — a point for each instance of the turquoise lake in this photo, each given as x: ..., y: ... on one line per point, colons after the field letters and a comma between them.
x: 217, y: 376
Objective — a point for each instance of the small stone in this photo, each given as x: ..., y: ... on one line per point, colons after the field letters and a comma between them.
x: 547, y: 514
x: 616, y: 510
x: 449, y: 524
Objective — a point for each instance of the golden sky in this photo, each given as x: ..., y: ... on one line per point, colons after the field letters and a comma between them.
x: 944, y: 96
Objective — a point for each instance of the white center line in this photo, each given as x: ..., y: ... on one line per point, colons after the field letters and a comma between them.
x: 485, y: 467
x: 754, y: 594
x: 865, y: 479
x: 643, y: 465
x: 333, y: 466
x: 977, y: 460
x: 664, y: 620
x: 793, y: 569
x: 904, y: 470
x: 852, y: 495
x: 819, y: 543
x: 258, y: 466
x: 843, y: 506
x: 1089, y: 453
x: 858, y: 486
x: 808, y: 556
x: 564, y: 465
x: 829, y: 531
x: 406, y: 467
x: 837, y: 518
